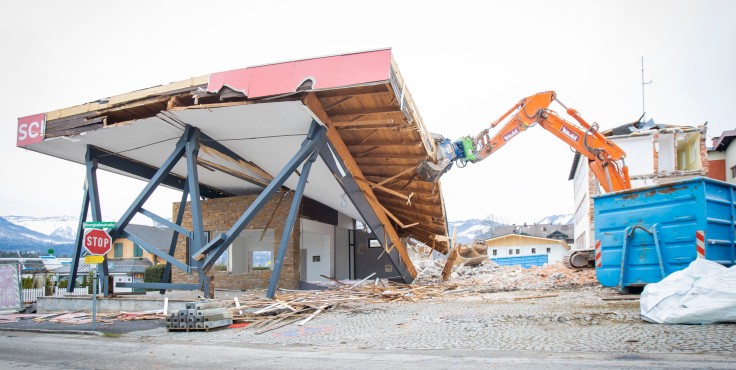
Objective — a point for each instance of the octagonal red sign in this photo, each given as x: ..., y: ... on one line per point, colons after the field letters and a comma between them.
x: 97, y: 241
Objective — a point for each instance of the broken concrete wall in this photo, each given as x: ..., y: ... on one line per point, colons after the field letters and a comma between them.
x: 654, y: 157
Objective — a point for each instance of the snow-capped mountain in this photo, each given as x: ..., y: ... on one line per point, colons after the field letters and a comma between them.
x: 16, y: 237
x: 467, y: 230
x: 557, y: 220
x: 61, y: 227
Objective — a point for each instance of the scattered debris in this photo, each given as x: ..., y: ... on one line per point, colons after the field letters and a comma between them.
x: 82, y: 317
x: 253, y: 311
x: 489, y: 277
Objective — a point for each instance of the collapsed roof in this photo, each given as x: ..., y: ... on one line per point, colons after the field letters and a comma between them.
x: 254, y: 119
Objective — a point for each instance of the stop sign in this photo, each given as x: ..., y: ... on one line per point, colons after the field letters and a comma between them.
x: 97, y: 241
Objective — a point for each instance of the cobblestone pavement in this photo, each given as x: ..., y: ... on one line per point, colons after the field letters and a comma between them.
x: 571, y: 321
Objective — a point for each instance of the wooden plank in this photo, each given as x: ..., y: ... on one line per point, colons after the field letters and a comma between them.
x: 239, y: 175
x: 387, y: 190
x: 368, y: 151
x: 386, y: 143
x: 408, y: 170
x: 380, y: 88
x: 116, y: 100
x: 312, y: 102
x: 375, y: 122
x: 364, y: 111
x: 338, y: 102
x: 246, y: 164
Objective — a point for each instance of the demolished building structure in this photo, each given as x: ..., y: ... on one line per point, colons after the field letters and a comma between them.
x: 656, y: 154
x: 317, y: 146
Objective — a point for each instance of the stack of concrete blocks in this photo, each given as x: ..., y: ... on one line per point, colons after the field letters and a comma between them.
x: 199, y: 316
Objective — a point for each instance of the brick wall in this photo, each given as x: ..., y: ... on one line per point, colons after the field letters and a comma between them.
x: 218, y: 215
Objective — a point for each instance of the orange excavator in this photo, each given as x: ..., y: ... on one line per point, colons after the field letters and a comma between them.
x: 605, y: 158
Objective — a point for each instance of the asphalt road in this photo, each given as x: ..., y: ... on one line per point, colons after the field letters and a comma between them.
x: 64, y: 351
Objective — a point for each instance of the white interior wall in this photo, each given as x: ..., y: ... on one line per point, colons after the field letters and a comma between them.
x: 639, y: 154
x: 666, y: 153
x: 318, y: 239
x: 240, y: 251
x: 342, y: 246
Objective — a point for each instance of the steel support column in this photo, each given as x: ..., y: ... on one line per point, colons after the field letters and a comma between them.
x: 78, y: 239
x: 156, y: 180
x: 289, y: 227
x: 90, y: 202
x: 166, y: 278
x: 210, y: 252
x: 197, y: 240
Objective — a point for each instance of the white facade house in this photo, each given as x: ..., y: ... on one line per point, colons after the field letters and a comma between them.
x: 515, y: 245
x: 655, y: 155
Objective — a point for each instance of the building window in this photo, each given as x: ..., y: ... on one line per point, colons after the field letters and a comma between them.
x: 511, y: 251
x: 733, y: 172
x: 517, y: 251
x: 262, y: 260
x: 534, y: 250
x: 549, y: 250
x: 118, y: 250
x: 137, y: 251
x: 495, y: 252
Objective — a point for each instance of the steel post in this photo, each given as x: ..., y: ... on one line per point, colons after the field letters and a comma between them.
x: 166, y: 278
x: 156, y: 180
x: 289, y: 227
x: 218, y: 245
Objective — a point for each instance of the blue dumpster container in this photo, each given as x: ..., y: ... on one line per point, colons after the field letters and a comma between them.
x: 645, y: 234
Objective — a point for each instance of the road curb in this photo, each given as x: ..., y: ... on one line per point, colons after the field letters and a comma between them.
x: 51, y: 331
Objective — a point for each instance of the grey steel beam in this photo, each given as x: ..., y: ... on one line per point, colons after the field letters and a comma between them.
x: 216, y: 247
x: 155, y: 251
x: 144, y: 171
x: 197, y: 240
x: 78, y: 240
x: 165, y: 222
x: 359, y: 200
x: 162, y: 172
x: 166, y: 278
x: 289, y: 226
x: 161, y: 286
x: 94, y: 203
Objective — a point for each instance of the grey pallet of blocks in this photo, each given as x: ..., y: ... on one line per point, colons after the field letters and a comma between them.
x: 199, y: 316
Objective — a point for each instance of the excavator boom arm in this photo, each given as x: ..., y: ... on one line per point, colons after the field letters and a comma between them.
x: 603, y: 155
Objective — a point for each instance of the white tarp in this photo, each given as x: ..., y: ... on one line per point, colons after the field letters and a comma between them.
x: 702, y: 293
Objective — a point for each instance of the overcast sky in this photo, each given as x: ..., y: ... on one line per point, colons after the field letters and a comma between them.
x: 465, y: 64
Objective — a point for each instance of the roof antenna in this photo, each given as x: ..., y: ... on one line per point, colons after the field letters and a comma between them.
x: 644, y: 111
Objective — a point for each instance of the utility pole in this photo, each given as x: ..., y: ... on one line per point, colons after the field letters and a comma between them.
x: 643, y: 107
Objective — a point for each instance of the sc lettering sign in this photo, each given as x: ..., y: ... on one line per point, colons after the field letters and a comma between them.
x: 31, y: 129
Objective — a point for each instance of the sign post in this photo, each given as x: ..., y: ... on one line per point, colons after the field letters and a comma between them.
x: 94, y: 297
x: 97, y: 242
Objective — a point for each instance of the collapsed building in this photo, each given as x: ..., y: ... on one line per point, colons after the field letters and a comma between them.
x: 656, y: 154
x: 289, y: 172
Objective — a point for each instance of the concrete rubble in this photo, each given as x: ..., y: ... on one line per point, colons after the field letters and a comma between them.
x: 490, y: 277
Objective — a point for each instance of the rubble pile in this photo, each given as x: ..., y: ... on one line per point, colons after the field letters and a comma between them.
x: 490, y: 277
